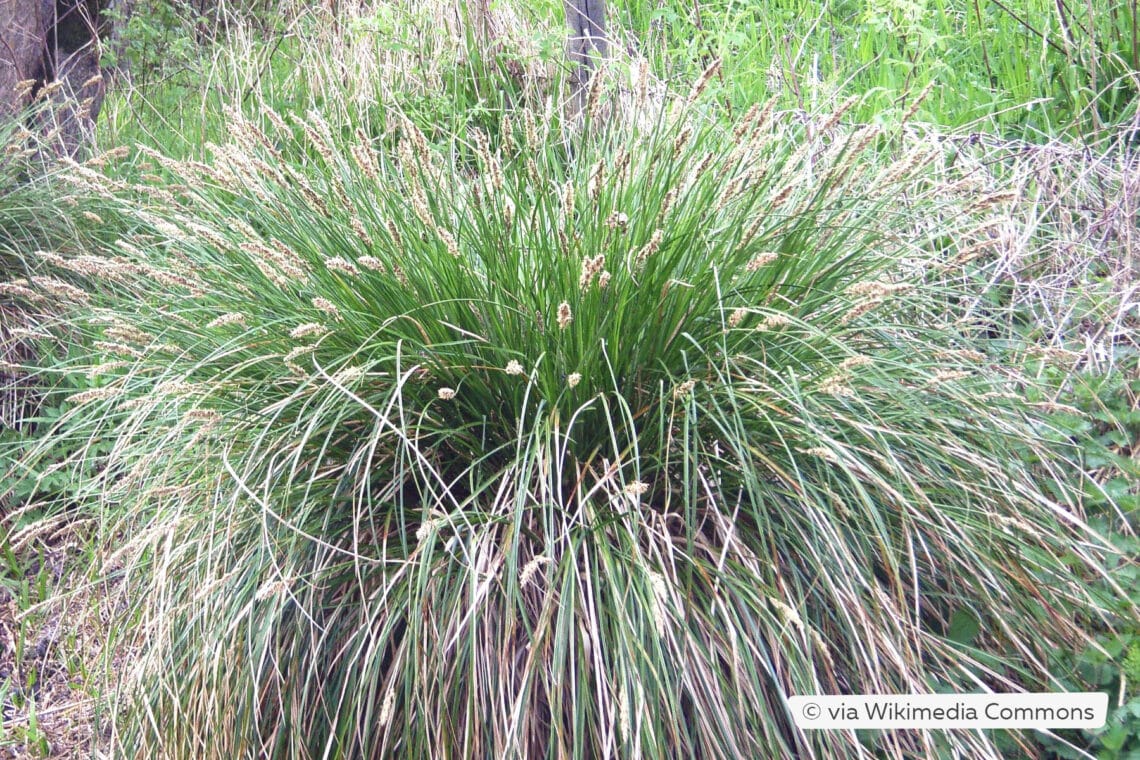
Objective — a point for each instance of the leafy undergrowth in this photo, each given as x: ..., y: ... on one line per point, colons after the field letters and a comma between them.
x: 1105, y: 419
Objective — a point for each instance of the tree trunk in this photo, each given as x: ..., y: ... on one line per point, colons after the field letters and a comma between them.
x: 51, y: 48
x: 24, y: 27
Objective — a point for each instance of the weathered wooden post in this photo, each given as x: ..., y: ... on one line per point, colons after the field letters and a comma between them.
x: 587, y: 45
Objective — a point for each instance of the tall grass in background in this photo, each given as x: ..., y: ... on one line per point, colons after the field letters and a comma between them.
x: 444, y: 65
x: 1025, y: 69
x: 538, y: 441
x: 1033, y: 70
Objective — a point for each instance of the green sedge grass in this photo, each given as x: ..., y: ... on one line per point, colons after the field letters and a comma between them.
x: 554, y: 440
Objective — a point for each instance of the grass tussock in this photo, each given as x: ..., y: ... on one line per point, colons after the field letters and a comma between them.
x: 520, y: 442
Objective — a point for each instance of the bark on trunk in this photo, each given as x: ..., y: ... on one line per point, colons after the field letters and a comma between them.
x: 23, y: 32
x: 50, y: 48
